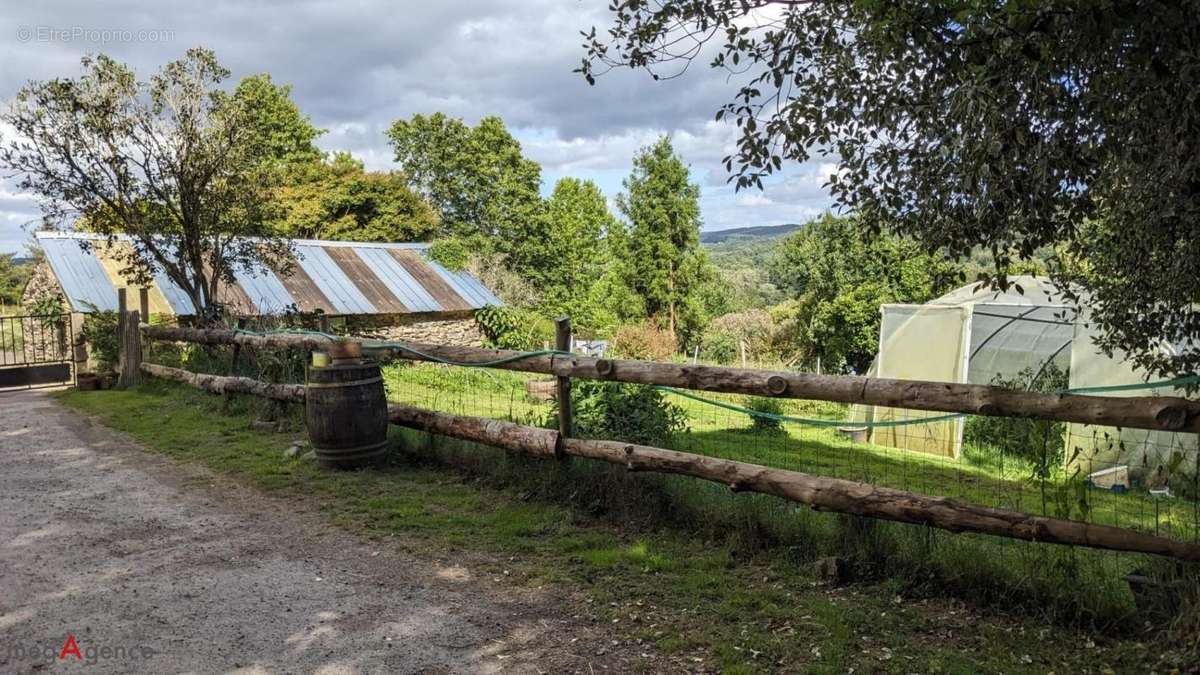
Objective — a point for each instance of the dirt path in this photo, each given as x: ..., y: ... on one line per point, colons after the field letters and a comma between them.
x: 184, y: 571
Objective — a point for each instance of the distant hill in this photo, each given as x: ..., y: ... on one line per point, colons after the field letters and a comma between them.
x: 755, y: 232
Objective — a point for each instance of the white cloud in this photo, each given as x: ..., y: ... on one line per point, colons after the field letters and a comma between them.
x: 753, y: 199
x: 356, y: 67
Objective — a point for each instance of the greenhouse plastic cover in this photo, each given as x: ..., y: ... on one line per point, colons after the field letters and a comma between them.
x: 978, y: 335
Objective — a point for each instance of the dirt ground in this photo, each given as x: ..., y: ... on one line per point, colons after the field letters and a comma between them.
x: 161, y: 567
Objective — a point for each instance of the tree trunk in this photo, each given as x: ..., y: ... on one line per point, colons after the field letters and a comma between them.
x: 220, y: 384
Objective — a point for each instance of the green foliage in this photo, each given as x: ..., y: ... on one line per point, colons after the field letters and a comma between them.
x: 13, y: 278
x: 665, y: 265
x: 839, y: 274
x: 475, y: 177
x: 275, y: 128
x: 49, y: 307
x: 761, y: 424
x: 624, y: 412
x: 566, y: 254
x: 741, y: 264
x: 99, y: 332
x: 643, y: 341
x: 1041, y: 443
x: 338, y: 199
x: 729, y: 336
x: 513, y: 328
x: 1011, y: 126
x: 450, y: 252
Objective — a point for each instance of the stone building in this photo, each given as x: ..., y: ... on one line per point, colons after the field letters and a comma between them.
x: 392, y: 291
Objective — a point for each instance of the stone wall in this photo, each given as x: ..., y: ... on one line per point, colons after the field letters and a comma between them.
x: 454, y: 331
x: 42, y: 284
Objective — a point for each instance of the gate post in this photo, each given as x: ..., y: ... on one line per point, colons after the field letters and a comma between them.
x: 562, y: 342
x: 129, y: 340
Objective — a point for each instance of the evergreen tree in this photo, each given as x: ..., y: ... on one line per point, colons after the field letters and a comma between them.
x: 665, y: 265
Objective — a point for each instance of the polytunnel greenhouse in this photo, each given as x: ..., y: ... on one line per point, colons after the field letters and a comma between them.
x: 1027, y: 337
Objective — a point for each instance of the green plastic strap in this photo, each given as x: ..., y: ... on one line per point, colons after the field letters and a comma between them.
x: 469, y: 364
x: 803, y: 420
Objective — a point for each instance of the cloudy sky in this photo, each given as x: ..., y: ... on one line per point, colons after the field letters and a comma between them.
x: 357, y: 65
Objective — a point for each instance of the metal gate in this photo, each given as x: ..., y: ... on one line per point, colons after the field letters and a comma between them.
x: 36, y: 350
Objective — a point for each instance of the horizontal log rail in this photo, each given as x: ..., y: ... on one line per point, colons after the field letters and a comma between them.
x: 229, y: 336
x: 222, y: 384
x: 1162, y: 413
x: 822, y: 494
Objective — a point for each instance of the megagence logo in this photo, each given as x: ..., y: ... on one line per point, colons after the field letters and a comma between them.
x: 71, y: 649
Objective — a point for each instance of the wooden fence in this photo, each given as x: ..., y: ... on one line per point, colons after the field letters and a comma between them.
x: 821, y: 493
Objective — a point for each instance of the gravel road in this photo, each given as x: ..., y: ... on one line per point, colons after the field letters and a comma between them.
x: 156, y: 566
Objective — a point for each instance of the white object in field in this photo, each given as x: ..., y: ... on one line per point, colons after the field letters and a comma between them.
x: 1109, y: 478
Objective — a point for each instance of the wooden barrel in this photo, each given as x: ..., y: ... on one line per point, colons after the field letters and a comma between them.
x: 345, y: 411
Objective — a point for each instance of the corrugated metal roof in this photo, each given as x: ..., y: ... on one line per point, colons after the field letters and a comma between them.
x: 337, y: 277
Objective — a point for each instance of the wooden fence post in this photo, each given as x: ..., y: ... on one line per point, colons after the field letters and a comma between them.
x: 144, y: 304
x: 129, y: 341
x: 562, y: 342
x: 122, y: 308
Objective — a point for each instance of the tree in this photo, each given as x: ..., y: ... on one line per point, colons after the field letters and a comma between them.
x: 13, y: 277
x: 276, y: 129
x: 565, y: 254
x: 1008, y: 125
x: 665, y: 264
x: 171, y: 162
x: 339, y: 199
x: 476, y: 177
x: 838, y: 275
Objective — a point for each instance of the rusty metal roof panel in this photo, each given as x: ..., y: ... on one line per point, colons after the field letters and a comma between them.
x: 398, y: 280
x: 467, y: 286
x: 335, y: 277
x: 333, y: 282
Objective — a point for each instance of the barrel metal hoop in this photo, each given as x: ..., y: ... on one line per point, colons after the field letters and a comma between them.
x: 351, y: 451
x: 339, y: 385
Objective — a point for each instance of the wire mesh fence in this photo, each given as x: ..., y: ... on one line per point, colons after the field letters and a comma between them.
x: 1143, y: 481
x: 1034, y: 466
x: 1147, y: 481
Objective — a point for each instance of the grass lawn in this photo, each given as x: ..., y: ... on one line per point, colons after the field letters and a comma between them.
x: 680, y: 590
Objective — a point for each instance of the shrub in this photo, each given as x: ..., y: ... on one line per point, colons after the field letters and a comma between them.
x: 1023, y: 438
x: 622, y: 412
x: 502, y: 327
x: 723, y: 338
x: 765, y: 404
x: 100, y: 333
x: 643, y: 341
x: 450, y: 252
